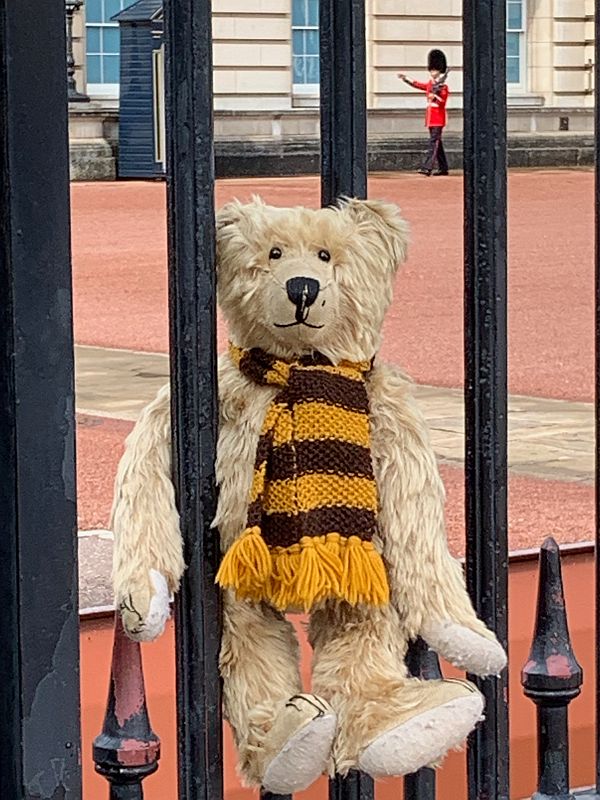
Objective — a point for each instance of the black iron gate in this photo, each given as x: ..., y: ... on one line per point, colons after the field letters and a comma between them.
x: 39, y: 715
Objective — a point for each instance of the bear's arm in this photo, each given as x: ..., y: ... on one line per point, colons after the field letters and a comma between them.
x: 427, y: 583
x: 148, y: 550
x: 144, y: 518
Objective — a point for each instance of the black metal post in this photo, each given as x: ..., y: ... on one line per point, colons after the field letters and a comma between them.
x: 127, y: 750
x: 343, y: 99
x: 269, y: 796
x: 355, y: 786
x: 552, y: 678
x: 422, y: 663
x: 484, y: 38
x: 342, y: 50
x: 71, y: 6
x: 39, y: 634
x: 192, y: 302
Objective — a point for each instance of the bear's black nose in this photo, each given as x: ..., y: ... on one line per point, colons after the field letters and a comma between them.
x: 303, y: 291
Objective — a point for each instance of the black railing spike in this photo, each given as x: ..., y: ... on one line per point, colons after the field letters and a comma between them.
x: 422, y: 663
x: 552, y: 677
x: 127, y: 750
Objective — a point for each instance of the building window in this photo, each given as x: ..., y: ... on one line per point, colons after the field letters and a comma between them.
x: 102, y: 46
x: 515, y: 42
x: 305, y: 46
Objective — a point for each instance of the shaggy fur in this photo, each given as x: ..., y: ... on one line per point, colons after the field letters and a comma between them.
x: 358, y: 652
x: 145, y: 521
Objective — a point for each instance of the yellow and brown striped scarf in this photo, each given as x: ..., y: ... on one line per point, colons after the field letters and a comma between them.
x: 312, y: 510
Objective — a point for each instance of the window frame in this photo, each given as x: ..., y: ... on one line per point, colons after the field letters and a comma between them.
x: 158, y: 78
x: 102, y: 91
x: 521, y: 32
x: 302, y: 89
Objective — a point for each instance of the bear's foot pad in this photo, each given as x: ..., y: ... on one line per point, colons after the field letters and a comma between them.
x: 306, y: 727
x: 425, y: 739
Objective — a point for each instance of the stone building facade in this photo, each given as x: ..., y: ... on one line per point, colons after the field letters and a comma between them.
x: 266, y: 76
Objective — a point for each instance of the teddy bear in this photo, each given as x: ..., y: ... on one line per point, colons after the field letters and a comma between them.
x: 330, y: 504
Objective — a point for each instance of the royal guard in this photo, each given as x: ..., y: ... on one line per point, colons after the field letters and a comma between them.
x: 435, y: 118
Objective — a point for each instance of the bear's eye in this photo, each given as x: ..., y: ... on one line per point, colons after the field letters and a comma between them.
x: 275, y: 253
x: 324, y: 255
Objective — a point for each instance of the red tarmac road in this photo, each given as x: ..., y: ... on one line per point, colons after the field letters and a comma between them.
x: 537, y: 508
x: 119, y: 258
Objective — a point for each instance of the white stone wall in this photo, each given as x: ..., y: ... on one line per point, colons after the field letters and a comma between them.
x: 252, y: 54
x: 570, y: 74
x: 540, y: 50
x: 401, y: 34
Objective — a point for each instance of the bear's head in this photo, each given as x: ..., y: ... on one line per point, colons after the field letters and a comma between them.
x: 292, y: 281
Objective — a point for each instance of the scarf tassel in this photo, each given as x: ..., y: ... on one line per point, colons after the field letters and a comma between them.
x: 246, y: 566
x: 299, y: 576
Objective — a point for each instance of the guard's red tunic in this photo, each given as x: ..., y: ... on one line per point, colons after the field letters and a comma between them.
x: 435, y: 116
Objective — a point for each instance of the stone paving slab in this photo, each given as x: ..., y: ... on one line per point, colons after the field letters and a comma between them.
x: 547, y: 438
x: 117, y: 383
x: 95, y: 567
x: 551, y: 439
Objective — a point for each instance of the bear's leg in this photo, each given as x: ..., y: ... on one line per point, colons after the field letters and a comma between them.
x: 388, y: 722
x: 284, y: 737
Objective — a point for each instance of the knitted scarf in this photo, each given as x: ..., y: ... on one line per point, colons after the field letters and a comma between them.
x: 312, y: 510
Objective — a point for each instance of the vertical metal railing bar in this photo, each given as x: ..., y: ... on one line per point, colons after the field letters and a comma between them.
x: 344, y: 170
x: 484, y: 40
x: 192, y: 303
x: 597, y: 363
x: 343, y: 99
x: 355, y: 786
x: 40, y: 750
x: 422, y: 663
x: 264, y: 795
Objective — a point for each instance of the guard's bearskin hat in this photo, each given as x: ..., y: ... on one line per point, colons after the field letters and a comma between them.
x: 437, y: 60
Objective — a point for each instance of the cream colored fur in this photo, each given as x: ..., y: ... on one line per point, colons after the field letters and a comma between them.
x: 144, y: 517
x: 358, y: 653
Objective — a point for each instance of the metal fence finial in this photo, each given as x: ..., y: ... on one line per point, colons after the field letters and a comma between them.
x: 127, y: 750
x: 552, y: 677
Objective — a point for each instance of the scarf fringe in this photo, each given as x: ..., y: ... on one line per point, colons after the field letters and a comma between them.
x: 303, y: 574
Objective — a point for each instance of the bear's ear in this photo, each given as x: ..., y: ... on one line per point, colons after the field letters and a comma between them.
x: 238, y: 214
x: 383, y: 220
x: 229, y: 214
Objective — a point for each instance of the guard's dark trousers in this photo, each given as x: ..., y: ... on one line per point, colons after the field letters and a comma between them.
x: 435, y: 151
